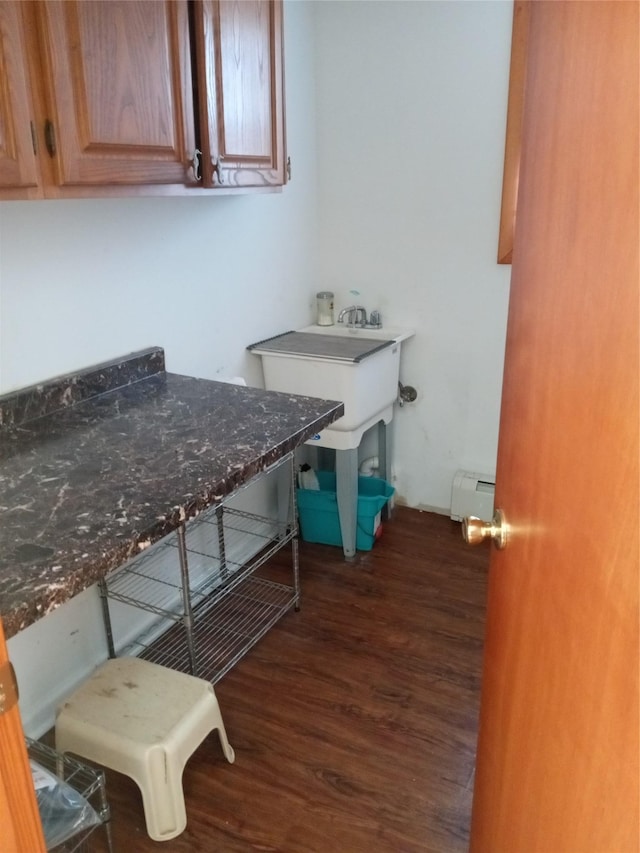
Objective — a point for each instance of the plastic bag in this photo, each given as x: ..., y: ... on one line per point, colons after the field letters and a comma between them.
x: 307, y: 478
x: 63, y: 811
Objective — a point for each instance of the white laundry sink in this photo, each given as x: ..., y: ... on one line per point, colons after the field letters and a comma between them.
x: 339, y: 366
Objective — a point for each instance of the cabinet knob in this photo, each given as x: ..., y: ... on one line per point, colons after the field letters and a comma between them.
x: 50, y: 137
x: 195, y: 164
x: 217, y: 168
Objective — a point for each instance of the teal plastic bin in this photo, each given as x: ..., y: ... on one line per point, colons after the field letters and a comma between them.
x: 318, y: 510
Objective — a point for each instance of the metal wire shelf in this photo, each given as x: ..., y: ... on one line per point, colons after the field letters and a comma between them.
x: 143, y: 585
x: 212, y: 606
x: 87, y: 781
x: 225, y: 628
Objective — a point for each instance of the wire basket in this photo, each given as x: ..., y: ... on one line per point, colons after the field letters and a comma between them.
x: 88, y: 782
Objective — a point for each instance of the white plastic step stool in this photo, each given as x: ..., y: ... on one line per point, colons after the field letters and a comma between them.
x: 143, y: 720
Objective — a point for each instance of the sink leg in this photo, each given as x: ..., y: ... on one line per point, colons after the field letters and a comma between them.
x: 384, y: 459
x: 347, y: 495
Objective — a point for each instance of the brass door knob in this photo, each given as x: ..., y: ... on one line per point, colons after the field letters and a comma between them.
x: 475, y: 531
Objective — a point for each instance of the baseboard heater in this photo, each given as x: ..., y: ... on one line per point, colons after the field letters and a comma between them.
x: 472, y: 494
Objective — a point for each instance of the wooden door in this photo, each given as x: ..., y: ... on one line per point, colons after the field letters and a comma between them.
x: 118, y: 95
x: 19, y: 174
x: 557, y: 768
x: 20, y: 828
x: 240, y: 69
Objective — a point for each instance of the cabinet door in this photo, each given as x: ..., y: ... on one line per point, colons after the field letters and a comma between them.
x: 120, y: 99
x: 19, y: 174
x: 240, y: 75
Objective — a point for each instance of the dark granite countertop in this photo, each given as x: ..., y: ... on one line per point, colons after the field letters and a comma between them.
x: 97, y: 465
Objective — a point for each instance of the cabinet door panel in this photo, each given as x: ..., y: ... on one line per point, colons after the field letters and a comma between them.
x: 121, y: 99
x: 18, y: 165
x: 246, y: 78
x: 240, y: 56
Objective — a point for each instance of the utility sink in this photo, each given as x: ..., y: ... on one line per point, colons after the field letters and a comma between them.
x: 357, y: 366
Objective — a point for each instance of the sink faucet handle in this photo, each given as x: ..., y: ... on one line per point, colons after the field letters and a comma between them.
x: 375, y: 319
x: 349, y: 313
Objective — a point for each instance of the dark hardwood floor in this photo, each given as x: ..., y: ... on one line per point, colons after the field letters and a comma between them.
x: 353, y: 721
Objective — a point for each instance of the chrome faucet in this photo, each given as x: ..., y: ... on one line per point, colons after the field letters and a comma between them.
x: 356, y: 316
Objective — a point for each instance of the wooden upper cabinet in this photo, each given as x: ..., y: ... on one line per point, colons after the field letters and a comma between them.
x: 241, y: 92
x: 118, y: 95
x: 19, y: 172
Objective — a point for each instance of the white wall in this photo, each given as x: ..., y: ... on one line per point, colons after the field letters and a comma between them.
x: 396, y: 131
x: 411, y: 110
